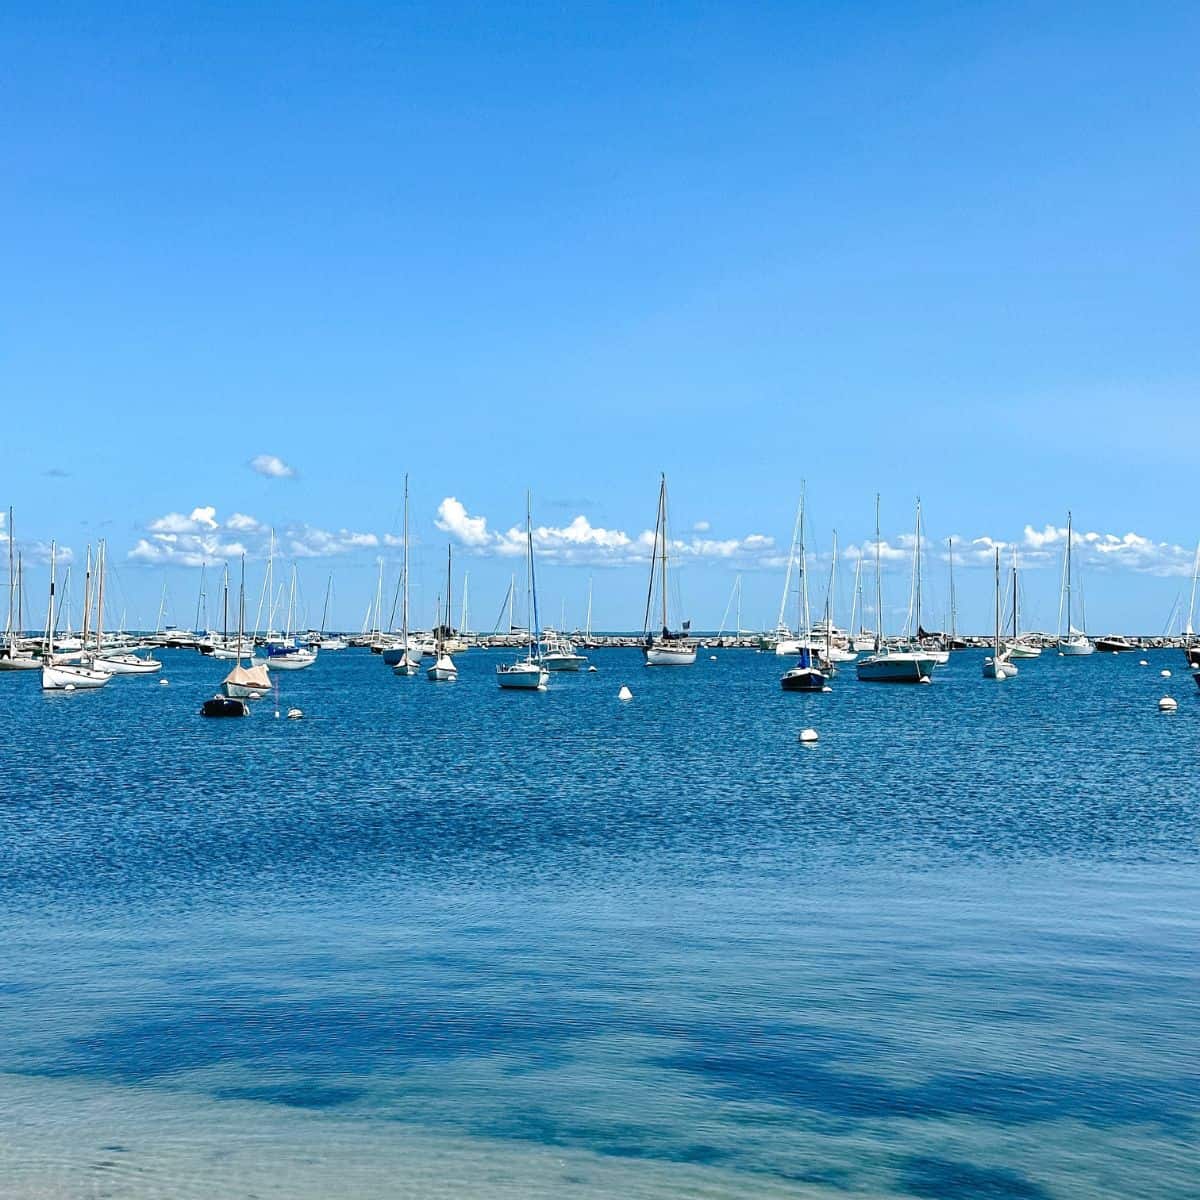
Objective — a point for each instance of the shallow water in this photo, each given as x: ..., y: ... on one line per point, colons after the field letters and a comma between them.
x: 438, y: 940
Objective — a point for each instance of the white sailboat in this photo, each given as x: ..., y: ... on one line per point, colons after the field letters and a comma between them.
x: 888, y: 664
x: 60, y: 676
x: 409, y: 662
x: 927, y: 643
x: 443, y: 669
x: 251, y: 682
x: 787, y: 643
x: 289, y: 655
x: 838, y: 646
x: 665, y: 649
x: 529, y: 673
x: 1074, y: 643
x: 114, y: 661
x: 996, y: 665
x: 1019, y: 645
x: 13, y: 658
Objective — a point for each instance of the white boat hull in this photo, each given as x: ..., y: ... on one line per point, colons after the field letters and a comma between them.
x: 998, y: 670
x: 1076, y: 648
x: 127, y: 664
x: 443, y: 670
x: 19, y: 662
x: 522, y: 677
x: 669, y: 655
x: 295, y: 661
x: 564, y: 662
x: 901, y: 667
x: 58, y: 678
x: 1022, y: 650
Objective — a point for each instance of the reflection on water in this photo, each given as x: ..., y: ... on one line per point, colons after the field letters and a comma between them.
x: 445, y: 941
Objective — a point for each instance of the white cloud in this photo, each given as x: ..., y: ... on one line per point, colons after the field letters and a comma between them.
x: 701, y: 527
x: 454, y: 519
x: 272, y: 466
x: 243, y: 523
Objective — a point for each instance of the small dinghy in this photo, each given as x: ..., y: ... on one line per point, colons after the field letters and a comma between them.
x: 224, y: 706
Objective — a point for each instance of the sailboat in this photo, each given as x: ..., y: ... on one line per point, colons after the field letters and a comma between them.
x: 1075, y: 643
x: 443, y: 669
x: 939, y: 652
x: 13, y: 657
x: 114, y: 661
x: 838, y: 646
x: 806, y: 675
x: 787, y: 643
x: 666, y: 649
x: 64, y: 676
x: 321, y: 640
x: 996, y: 665
x: 1019, y: 645
x: 529, y: 673
x: 252, y: 681
x: 887, y: 664
x: 288, y: 654
x: 409, y: 663
x: 224, y: 649
x: 1191, y: 648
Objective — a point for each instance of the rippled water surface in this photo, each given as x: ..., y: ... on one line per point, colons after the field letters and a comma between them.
x: 438, y: 940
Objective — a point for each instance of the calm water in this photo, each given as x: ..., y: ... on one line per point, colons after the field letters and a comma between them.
x: 435, y: 940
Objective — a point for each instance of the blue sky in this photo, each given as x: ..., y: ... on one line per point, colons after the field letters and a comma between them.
x: 948, y: 250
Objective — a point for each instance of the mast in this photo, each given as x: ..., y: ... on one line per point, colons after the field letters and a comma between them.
x: 996, y: 643
x: 404, y: 575
x: 241, y: 610
x: 225, y: 609
x: 1069, y: 557
x: 462, y: 623
x: 531, y: 604
x: 878, y: 583
x: 856, y: 600
x: 953, y: 601
x: 653, y: 564
x: 201, y: 601
x: 1191, y: 604
x: 101, y: 554
x: 805, y: 630
x: 588, y: 629
x: 325, y: 609
x: 87, y: 598
x: 917, y: 565
x: 830, y: 599
x: 20, y: 591
x: 49, y: 651
x: 1016, y: 625
x: 787, y: 578
x: 662, y: 505
x: 12, y: 582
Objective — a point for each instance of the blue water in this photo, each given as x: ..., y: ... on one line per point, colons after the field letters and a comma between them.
x: 443, y: 940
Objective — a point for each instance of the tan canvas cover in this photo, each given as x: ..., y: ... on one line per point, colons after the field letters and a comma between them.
x: 254, y: 677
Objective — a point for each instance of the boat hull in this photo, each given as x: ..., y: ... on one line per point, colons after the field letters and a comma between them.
x: 660, y: 655
x: 896, y: 668
x: 442, y: 671
x: 296, y: 661
x: 224, y: 706
x: 523, y: 677
x: 1114, y: 646
x: 19, y: 662
x: 803, y: 679
x: 564, y: 662
x: 59, y: 678
x: 1075, y: 649
x: 128, y: 664
x: 1022, y: 650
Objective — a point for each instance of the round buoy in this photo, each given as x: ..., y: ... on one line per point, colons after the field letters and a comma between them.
x: 277, y: 714
x: 808, y: 736
x: 294, y: 714
x: 69, y: 688
x: 1142, y: 662
x: 624, y: 693
x: 1168, y: 704
x: 712, y: 658
x: 164, y: 683
x: 591, y: 669
x: 827, y: 689
x: 1165, y: 674
x: 925, y: 679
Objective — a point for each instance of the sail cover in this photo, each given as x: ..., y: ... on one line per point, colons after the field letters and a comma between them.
x: 254, y: 677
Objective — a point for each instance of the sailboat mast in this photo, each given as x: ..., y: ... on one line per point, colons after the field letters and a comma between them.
x: 12, y: 583
x: 50, y: 611
x: 325, y: 609
x: 1016, y: 625
x: 225, y: 609
x: 1069, y: 557
x: 653, y: 566
x: 404, y: 574
x: 531, y: 582
x: 878, y: 582
x: 953, y: 600
x: 241, y: 610
x: 662, y: 505
x: 1191, y: 603
x: 996, y: 643
x: 101, y: 554
x: 787, y: 576
x: 588, y: 629
x: 805, y: 630
x: 917, y: 581
x: 87, y: 598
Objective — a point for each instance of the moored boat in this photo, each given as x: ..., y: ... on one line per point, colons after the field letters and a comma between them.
x: 665, y: 649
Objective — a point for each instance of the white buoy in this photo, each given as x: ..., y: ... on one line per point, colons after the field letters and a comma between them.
x: 1168, y: 704
x: 277, y: 714
x: 1142, y: 662
x: 1165, y: 674
x: 624, y: 693
x: 69, y: 688
x: 712, y: 658
x: 925, y: 679
x: 827, y: 689
x: 164, y: 683
x: 808, y: 736
x: 294, y: 714
x: 591, y: 668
